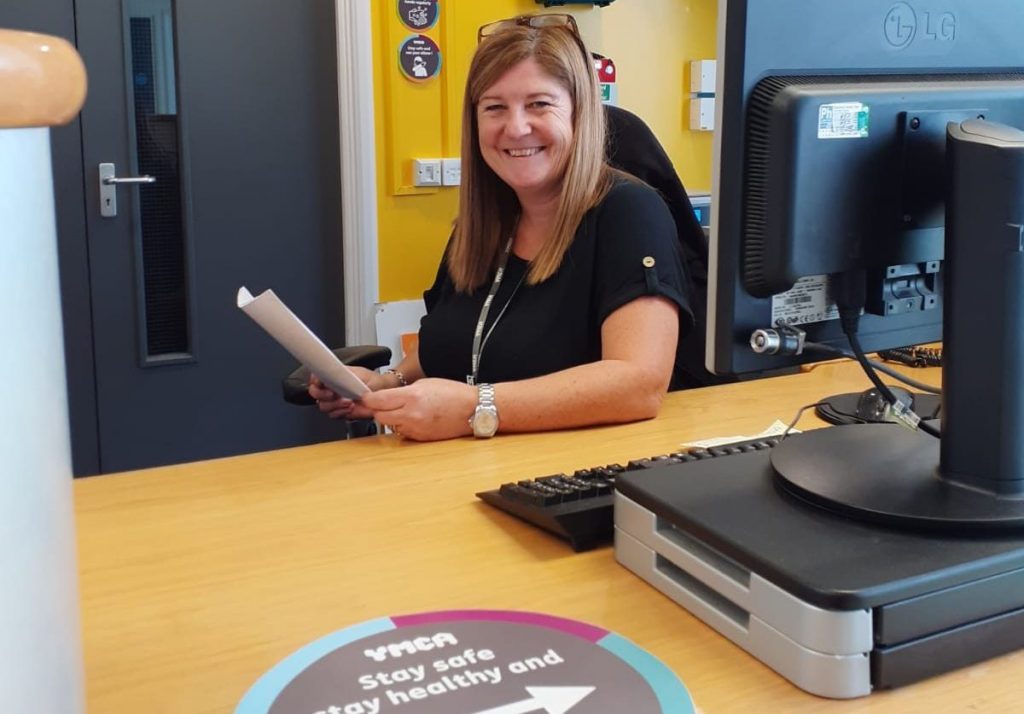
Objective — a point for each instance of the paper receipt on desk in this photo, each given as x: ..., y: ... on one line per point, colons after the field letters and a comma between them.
x: 281, y: 323
x: 776, y: 428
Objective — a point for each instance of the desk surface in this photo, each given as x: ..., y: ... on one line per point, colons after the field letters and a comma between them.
x: 197, y: 579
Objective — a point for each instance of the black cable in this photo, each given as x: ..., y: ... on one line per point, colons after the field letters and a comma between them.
x: 800, y: 413
x: 910, y: 382
x: 883, y: 389
x: 914, y: 356
x: 849, y: 290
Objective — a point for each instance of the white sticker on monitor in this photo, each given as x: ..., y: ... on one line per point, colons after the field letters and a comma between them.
x: 806, y: 302
x: 843, y: 120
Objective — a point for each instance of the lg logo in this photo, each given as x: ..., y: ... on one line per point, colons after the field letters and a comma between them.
x: 904, y: 25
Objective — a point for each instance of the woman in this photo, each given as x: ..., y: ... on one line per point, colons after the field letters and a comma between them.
x: 561, y: 297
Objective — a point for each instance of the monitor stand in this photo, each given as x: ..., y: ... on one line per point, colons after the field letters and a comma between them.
x: 888, y: 474
x: 839, y: 606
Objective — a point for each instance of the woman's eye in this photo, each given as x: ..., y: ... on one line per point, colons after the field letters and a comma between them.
x: 539, y: 104
x: 493, y: 107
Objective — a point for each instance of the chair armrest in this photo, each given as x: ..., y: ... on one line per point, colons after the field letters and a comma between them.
x: 295, y: 386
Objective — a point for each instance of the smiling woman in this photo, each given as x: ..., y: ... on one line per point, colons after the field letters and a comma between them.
x: 561, y: 297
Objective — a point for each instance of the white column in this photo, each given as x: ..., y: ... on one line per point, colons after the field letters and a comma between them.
x: 358, y: 169
x: 40, y: 648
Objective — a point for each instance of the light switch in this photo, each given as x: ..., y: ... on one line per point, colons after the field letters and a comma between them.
x: 451, y: 172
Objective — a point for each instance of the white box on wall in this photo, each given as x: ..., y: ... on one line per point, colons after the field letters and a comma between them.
x: 703, y: 75
x: 702, y: 113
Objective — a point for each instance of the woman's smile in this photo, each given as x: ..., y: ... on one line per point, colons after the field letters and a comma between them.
x: 524, y: 153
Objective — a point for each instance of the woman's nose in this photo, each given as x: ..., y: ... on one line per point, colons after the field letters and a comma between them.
x: 518, y: 124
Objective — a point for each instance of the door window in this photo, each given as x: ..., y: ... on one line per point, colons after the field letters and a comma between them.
x: 162, y: 270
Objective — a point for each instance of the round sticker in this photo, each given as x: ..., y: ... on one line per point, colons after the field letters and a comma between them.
x: 469, y: 662
x: 418, y: 14
x: 419, y: 57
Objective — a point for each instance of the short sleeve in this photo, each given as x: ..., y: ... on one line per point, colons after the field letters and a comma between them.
x: 637, y: 252
x: 442, y: 282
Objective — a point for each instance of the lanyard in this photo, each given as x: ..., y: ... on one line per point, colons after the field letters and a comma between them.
x: 479, y: 340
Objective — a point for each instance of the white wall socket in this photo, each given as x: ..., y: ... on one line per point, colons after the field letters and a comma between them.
x: 451, y: 172
x: 426, y: 172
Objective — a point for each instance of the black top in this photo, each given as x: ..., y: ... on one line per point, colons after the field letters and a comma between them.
x: 557, y: 324
x: 633, y: 148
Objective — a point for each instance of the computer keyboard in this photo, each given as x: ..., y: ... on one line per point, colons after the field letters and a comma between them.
x: 579, y: 507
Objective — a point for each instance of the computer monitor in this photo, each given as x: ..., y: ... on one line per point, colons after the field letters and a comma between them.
x: 831, y: 177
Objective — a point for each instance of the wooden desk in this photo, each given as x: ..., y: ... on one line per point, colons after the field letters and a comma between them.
x: 197, y: 579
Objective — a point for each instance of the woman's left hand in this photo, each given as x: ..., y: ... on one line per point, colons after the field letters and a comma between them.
x: 430, y: 409
x: 337, y: 407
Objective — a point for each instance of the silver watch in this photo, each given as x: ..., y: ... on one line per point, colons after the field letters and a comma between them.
x: 484, y: 421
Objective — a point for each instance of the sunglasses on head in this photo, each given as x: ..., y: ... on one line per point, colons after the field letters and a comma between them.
x: 535, y: 21
x: 539, y: 22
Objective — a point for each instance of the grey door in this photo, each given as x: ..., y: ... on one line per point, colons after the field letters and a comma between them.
x: 232, y: 107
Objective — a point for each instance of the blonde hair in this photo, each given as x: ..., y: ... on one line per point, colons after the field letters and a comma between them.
x: 488, y: 207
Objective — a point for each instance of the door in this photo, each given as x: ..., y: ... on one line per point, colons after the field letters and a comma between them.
x: 231, y: 108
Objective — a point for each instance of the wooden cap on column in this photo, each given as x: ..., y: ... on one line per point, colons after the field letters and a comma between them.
x: 42, y: 80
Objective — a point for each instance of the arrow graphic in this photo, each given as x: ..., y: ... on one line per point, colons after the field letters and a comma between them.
x: 553, y: 700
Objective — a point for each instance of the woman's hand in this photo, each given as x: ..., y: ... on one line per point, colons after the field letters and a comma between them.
x: 337, y: 407
x: 428, y: 410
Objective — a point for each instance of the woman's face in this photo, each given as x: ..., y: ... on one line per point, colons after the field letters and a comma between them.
x: 525, y: 130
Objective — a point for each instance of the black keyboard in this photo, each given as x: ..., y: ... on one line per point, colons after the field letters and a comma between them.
x: 579, y: 508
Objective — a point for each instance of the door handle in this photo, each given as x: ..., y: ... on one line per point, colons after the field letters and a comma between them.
x: 108, y: 187
x: 128, y: 179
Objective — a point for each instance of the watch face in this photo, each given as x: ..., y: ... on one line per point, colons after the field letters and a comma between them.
x: 485, y: 422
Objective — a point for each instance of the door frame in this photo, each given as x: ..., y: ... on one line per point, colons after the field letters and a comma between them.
x: 358, y: 169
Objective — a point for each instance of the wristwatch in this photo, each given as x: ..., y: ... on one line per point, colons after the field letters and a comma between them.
x: 484, y: 421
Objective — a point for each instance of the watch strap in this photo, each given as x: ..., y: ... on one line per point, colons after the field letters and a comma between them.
x: 484, y: 420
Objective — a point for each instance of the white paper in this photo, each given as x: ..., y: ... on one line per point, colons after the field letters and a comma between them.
x: 776, y: 428
x: 281, y: 323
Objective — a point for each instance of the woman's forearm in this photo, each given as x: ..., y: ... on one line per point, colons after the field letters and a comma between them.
x: 603, y: 392
x: 628, y: 383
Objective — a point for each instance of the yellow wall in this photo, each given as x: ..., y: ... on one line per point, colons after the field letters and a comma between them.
x: 651, y: 42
